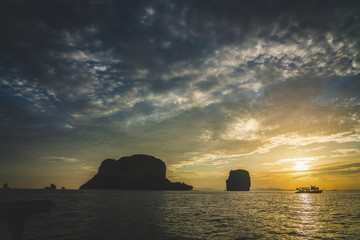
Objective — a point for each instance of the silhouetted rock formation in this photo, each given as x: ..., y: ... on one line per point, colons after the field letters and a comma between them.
x: 239, y: 180
x: 5, y: 186
x: 141, y: 172
x: 52, y: 187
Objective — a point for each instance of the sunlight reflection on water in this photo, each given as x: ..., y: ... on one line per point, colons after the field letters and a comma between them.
x: 308, y: 224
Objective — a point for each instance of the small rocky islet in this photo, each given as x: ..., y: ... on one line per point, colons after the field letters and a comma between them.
x: 239, y: 180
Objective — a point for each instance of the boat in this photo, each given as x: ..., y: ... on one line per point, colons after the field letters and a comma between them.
x: 311, y: 189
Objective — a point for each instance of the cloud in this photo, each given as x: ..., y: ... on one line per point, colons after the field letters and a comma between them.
x: 290, y: 160
x: 29, y: 93
x: 60, y: 159
x: 339, y: 169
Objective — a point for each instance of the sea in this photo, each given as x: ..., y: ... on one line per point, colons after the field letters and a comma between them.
x: 119, y: 214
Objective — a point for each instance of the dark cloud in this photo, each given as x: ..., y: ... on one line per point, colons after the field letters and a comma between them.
x: 338, y: 169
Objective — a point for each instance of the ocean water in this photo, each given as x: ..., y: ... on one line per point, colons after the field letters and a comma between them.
x: 111, y: 214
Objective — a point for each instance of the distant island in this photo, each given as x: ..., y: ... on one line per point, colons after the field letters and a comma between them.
x: 52, y: 187
x: 137, y: 172
x: 239, y: 180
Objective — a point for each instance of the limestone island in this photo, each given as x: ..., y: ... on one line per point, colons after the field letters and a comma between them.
x: 137, y: 172
x: 239, y: 180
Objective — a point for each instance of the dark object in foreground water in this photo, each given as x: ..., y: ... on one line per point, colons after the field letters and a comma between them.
x: 137, y: 172
x: 239, y: 180
x: 16, y: 214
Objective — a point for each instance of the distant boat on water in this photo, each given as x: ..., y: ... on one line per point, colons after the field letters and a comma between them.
x: 312, y: 189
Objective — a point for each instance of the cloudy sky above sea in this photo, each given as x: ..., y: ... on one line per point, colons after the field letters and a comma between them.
x: 207, y: 86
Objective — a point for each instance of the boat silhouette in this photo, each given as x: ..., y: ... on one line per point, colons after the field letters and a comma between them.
x: 311, y: 189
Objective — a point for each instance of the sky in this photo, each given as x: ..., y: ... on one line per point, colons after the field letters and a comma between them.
x: 272, y: 87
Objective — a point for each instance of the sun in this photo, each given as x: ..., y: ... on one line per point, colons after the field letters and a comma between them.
x: 300, y: 166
